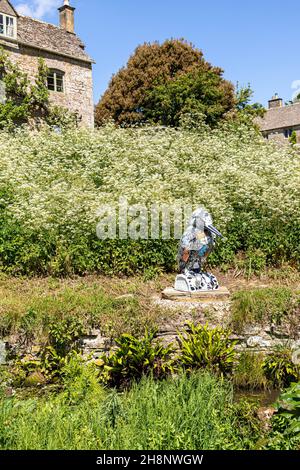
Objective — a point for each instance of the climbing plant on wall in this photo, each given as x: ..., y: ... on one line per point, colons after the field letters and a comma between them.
x: 24, y: 101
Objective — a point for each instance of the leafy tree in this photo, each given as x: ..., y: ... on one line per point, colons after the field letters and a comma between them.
x: 244, y: 110
x: 163, y: 81
x: 196, y: 92
x: 296, y: 99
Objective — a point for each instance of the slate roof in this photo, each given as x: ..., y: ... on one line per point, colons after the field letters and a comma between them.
x: 279, y: 118
x: 7, y: 7
x: 45, y: 36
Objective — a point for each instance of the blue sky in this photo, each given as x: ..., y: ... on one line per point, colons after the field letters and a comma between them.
x: 254, y: 42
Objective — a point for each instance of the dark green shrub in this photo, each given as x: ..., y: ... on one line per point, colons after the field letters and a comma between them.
x: 205, y: 348
x: 136, y: 358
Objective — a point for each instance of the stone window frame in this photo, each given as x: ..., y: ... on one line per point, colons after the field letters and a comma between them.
x: 57, y: 76
x: 5, y: 26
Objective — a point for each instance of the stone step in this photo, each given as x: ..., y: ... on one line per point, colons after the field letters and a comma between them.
x: 218, y: 295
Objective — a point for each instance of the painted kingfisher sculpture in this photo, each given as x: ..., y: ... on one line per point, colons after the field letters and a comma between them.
x: 197, y: 243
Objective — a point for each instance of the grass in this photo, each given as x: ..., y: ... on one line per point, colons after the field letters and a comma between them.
x: 265, y: 306
x: 249, y: 373
x: 185, y: 413
x: 113, y: 305
x: 118, y: 305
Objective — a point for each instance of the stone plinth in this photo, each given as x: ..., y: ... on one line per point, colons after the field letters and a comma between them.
x: 218, y: 295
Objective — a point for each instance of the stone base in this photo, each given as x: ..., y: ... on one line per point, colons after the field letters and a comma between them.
x: 218, y: 295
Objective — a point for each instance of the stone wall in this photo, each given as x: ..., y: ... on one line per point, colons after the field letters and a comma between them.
x: 254, y: 338
x: 279, y: 136
x: 78, y: 93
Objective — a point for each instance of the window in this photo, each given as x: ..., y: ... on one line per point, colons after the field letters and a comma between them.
x: 288, y: 133
x: 55, y: 81
x: 8, y: 26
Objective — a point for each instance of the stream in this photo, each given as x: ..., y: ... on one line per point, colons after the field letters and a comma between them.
x: 265, y: 398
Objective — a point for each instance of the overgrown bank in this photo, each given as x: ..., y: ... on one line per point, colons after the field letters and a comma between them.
x: 194, y: 411
x: 185, y: 413
x: 144, y: 394
x: 51, y: 187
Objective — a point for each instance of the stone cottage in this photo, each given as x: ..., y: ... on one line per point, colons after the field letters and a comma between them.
x: 70, y: 79
x: 280, y: 120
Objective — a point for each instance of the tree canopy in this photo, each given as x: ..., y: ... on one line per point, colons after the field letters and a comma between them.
x: 163, y: 81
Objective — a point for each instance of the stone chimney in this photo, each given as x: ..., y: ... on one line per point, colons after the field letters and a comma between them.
x: 66, y: 17
x: 275, y: 102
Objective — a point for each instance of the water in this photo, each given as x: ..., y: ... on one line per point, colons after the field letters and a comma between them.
x: 265, y: 398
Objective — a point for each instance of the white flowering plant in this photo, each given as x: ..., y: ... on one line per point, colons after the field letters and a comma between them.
x: 52, y: 185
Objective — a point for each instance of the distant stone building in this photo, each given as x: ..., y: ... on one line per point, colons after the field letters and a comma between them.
x: 70, y: 68
x: 280, y: 120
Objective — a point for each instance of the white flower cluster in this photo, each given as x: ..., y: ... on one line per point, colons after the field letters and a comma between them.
x: 59, y: 181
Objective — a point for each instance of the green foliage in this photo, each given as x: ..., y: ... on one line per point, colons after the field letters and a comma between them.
x: 30, y: 308
x: 61, y: 118
x: 185, y: 413
x: 280, y: 368
x: 80, y: 381
x: 52, y: 185
x: 63, y: 336
x: 162, y: 81
x: 255, y: 262
x: 289, y: 407
x: 249, y: 373
x: 28, y: 325
x: 264, y: 306
x: 248, y: 424
x: 10, y: 114
x: 198, y: 92
x: 285, y: 433
x: 136, y: 358
x: 204, y: 348
x: 24, y: 100
x: 293, y: 139
x: 39, y: 91
x: 62, y: 344
x: 245, y: 111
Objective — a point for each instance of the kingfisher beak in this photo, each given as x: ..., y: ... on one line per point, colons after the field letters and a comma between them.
x: 212, y: 229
